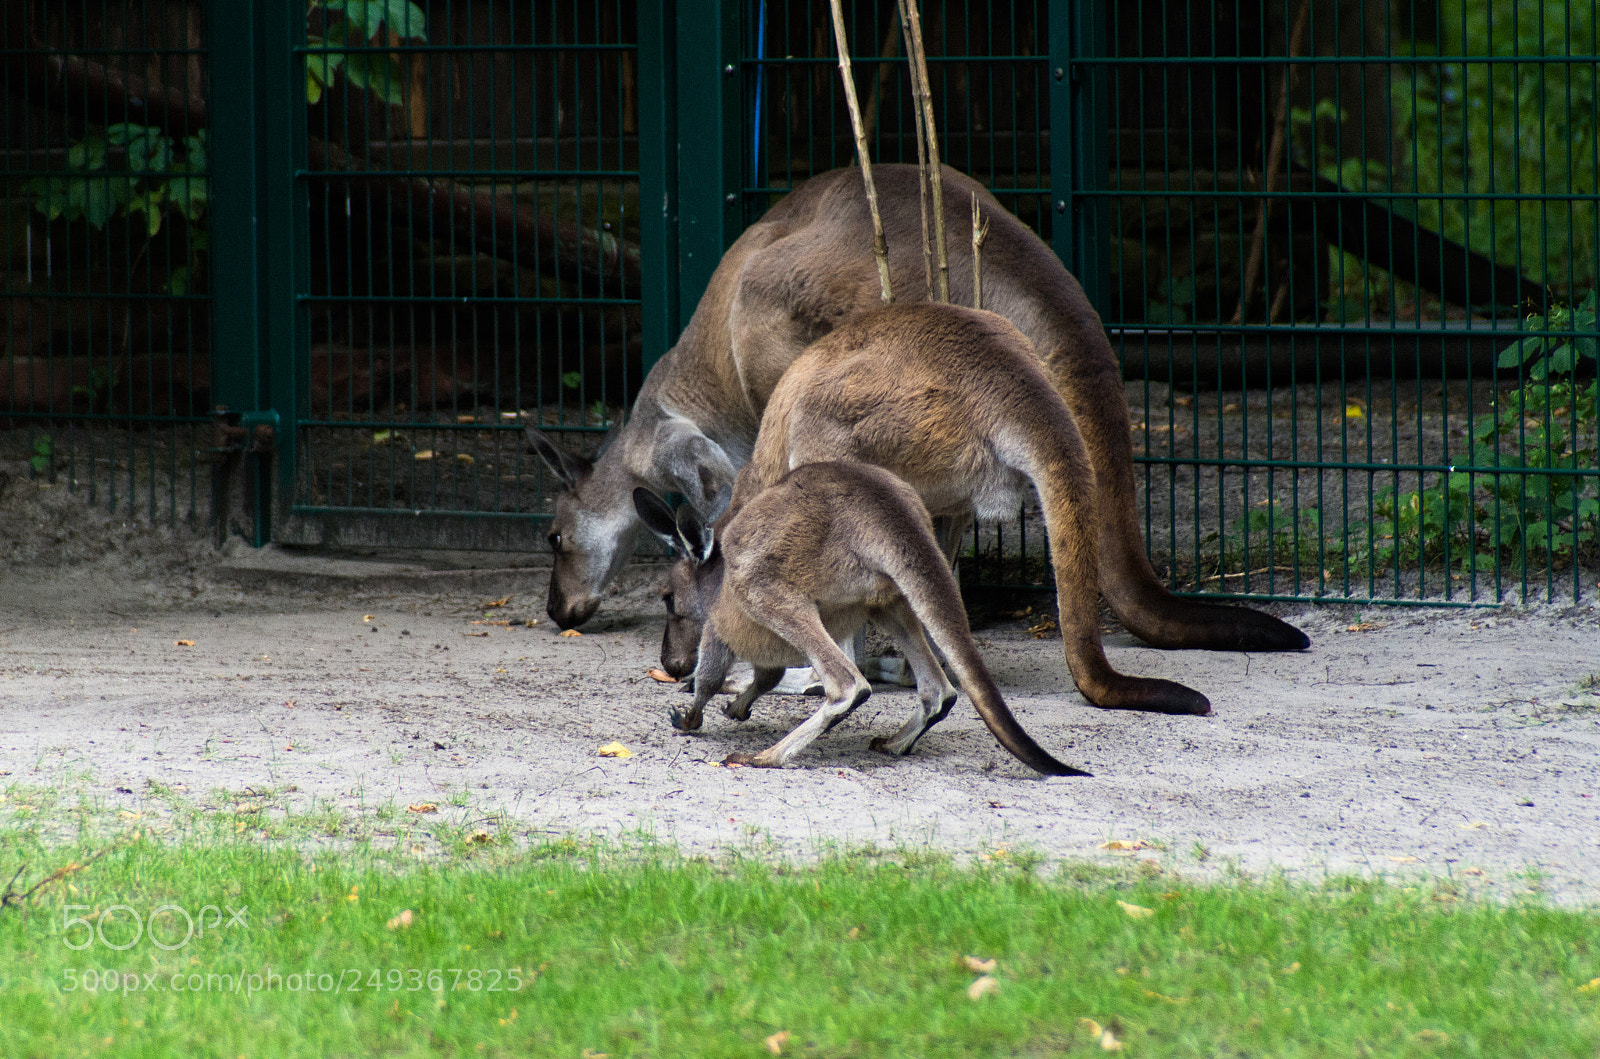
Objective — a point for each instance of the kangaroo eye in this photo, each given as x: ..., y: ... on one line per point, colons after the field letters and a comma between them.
x: 555, y: 542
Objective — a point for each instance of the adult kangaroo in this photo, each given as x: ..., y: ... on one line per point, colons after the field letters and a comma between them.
x: 952, y: 401
x: 804, y: 563
x: 788, y: 280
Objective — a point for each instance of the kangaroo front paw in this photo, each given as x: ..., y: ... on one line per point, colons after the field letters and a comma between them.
x: 686, y: 720
x: 737, y: 710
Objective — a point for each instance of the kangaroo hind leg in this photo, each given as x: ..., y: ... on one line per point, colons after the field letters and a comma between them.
x: 844, y: 688
x: 935, y: 693
x: 766, y: 678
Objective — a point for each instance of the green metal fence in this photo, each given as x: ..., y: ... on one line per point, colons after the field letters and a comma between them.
x: 1347, y: 250
x: 104, y: 374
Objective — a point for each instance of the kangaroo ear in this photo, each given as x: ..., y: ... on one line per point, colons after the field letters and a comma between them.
x: 656, y: 515
x: 699, y: 542
x: 571, y: 469
x: 692, y: 464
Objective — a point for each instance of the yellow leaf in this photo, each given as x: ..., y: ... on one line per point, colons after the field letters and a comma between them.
x: 479, y: 837
x: 502, y: 601
x: 422, y: 454
x: 1109, y: 1043
x: 1292, y: 968
x: 853, y: 933
x: 402, y: 921
x: 570, y: 633
x: 1593, y: 985
x: 466, y: 419
x: 1120, y: 844
x: 1402, y: 859
x: 1090, y: 1026
x: 661, y: 676
x: 1476, y: 825
x: 1136, y: 911
x: 423, y: 807
x: 776, y: 1042
x: 368, y: 617
x: 983, y: 987
x: 978, y: 965
x: 183, y: 643
x: 1353, y: 411
x: 352, y: 896
x: 591, y: 1054
x: 615, y: 750
x: 462, y: 457
x: 1431, y: 1037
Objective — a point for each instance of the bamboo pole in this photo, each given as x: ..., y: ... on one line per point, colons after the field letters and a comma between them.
x: 880, y: 246
x: 980, y: 232
x: 911, y: 25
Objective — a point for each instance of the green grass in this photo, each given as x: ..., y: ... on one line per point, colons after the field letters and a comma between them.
x: 571, y: 948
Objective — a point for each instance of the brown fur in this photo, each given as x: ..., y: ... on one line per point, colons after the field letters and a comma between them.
x: 793, y: 277
x: 952, y: 401
x: 802, y: 564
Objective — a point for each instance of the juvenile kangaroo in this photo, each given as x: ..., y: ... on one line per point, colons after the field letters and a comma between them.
x: 806, y: 562
x: 790, y: 279
x: 952, y: 401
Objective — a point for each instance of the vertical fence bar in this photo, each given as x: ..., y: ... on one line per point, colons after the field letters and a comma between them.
x: 709, y: 159
x: 658, y: 177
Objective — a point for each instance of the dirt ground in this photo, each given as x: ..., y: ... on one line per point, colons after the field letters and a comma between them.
x: 1451, y: 744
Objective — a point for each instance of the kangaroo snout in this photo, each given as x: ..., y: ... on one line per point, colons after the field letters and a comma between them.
x: 569, y: 614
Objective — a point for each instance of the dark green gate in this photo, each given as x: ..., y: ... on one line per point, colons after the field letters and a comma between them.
x: 1347, y: 250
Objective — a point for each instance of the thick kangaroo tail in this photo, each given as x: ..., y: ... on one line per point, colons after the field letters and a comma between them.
x: 918, y: 568
x: 1054, y: 458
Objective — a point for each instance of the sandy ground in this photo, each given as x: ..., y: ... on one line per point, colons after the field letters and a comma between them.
x: 1451, y: 744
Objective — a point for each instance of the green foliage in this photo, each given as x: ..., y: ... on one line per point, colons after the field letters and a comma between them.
x: 43, y: 451
x: 157, y: 175
x: 1525, y: 128
x: 354, y: 24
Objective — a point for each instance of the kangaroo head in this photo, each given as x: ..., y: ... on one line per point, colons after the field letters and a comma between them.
x: 692, y: 583
x: 591, y: 535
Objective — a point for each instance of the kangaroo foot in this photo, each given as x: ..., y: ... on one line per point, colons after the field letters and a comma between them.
x: 750, y: 760
x: 1150, y: 695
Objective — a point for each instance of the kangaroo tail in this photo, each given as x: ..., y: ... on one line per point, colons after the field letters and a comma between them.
x: 918, y: 567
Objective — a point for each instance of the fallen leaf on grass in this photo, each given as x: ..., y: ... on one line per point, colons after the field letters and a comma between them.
x: 183, y: 643
x: 1431, y: 1037
x: 480, y: 837
x: 1471, y: 871
x: 1364, y: 626
x: 1118, y: 844
x: 1591, y: 986
x: 569, y: 633
x: 978, y: 965
x: 401, y: 921
x: 1176, y: 1001
x: 1292, y: 968
x: 853, y: 933
x: 983, y: 987
x: 423, y: 807
x: 660, y: 676
x: 1109, y: 1042
x: 1402, y: 859
x: 1089, y: 1026
x: 589, y: 1053
x: 615, y: 750
x: 1136, y: 911
x: 776, y: 1042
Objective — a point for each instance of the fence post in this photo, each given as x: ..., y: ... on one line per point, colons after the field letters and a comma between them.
x: 710, y: 117
x: 658, y: 178
x: 255, y: 146
x: 1079, y: 129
